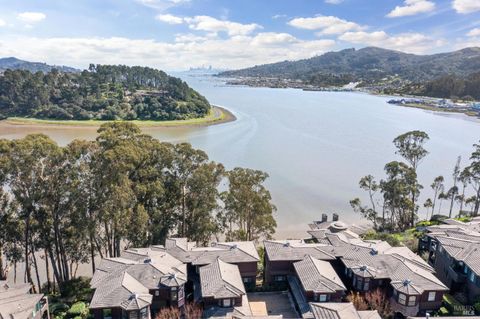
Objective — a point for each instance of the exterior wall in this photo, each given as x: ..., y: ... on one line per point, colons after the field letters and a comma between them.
x: 247, y: 269
x: 277, y: 268
x: 421, y: 306
x: 336, y: 297
x: 98, y: 313
x: 164, y: 298
x: 211, y: 302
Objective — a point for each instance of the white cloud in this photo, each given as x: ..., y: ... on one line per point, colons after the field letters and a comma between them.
x: 235, y: 52
x: 161, y: 4
x: 326, y: 24
x: 412, y: 7
x: 474, y: 32
x: 334, y: 1
x: 2, y: 23
x: 466, y: 6
x: 31, y: 17
x: 170, y: 19
x: 407, y: 42
x: 210, y: 24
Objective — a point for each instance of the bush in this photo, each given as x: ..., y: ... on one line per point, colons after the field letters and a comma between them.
x: 443, y: 311
x: 78, y: 309
x: 77, y: 289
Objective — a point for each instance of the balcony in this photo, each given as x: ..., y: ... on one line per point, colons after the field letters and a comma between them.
x: 407, y: 311
x: 456, y: 274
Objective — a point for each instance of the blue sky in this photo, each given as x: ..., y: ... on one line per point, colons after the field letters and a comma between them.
x: 177, y: 34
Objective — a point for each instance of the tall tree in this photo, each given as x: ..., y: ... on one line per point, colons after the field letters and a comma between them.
x: 438, y: 189
x: 453, y: 191
x: 411, y: 147
x: 473, y: 173
x: 248, y: 205
x: 369, y: 185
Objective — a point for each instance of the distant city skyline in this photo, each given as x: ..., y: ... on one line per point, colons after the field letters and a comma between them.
x: 179, y: 34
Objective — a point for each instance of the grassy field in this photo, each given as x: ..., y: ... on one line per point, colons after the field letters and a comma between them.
x: 216, y: 115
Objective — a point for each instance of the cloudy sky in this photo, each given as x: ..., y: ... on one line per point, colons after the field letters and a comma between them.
x: 177, y: 34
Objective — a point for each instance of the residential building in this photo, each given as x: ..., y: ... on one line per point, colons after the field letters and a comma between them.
x: 16, y: 302
x: 407, y: 280
x: 343, y: 310
x: 454, y: 252
x: 137, y: 285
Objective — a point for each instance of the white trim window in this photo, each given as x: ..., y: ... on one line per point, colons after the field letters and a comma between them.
x: 227, y: 303
x: 322, y: 298
x: 432, y: 295
x: 402, y: 299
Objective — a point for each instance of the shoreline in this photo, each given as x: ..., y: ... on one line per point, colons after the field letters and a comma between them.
x: 468, y: 113
x: 218, y: 115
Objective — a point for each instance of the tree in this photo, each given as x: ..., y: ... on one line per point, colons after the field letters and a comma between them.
x: 247, y: 204
x: 473, y: 173
x: 453, y: 191
x: 428, y: 204
x: 369, y: 185
x: 438, y: 188
x: 396, y: 190
x: 411, y: 147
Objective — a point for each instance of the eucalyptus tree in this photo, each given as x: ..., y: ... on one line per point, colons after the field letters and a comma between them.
x: 248, y: 206
x: 438, y: 188
x: 410, y: 146
x: 25, y: 168
x: 453, y: 191
x: 369, y: 185
x: 473, y: 173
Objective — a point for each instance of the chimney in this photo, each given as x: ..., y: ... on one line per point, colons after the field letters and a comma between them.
x: 427, y: 315
x: 335, y: 217
x: 324, y: 218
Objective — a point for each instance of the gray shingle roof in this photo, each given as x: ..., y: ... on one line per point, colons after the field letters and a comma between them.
x: 232, y: 252
x: 461, y: 249
x: 125, y: 282
x: 16, y: 302
x: 221, y: 280
x: 318, y: 276
x: 295, y: 250
x: 340, y: 311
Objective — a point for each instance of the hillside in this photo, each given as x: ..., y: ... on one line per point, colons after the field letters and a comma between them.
x: 17, y: 64
x: 102, y: 92
x: 368, y: 65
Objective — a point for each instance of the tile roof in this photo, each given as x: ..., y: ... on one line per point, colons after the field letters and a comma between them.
x: 125, y: 281
x: 318, y: 276
x: 461, y: 249
x: 16, y: 302
x: 295, y: 250
x: 232, y: 252
x: 221, y: 280
x: 340, y: 311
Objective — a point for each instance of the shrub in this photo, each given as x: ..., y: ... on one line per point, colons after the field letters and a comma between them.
x: 79, y: 310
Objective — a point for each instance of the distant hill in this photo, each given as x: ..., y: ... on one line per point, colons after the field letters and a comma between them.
x: 369, y: 65
x: 17, y: 64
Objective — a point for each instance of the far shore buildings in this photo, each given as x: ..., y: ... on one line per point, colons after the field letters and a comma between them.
x: 16, y: 302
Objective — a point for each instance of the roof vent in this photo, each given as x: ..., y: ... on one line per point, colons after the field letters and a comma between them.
x: 213, y: 244
x: 147, y: 260
x: 363, y: 268
x: 406, y: 282
x: 373, y: 252
x: 234, y: 246
x: 287, y: 244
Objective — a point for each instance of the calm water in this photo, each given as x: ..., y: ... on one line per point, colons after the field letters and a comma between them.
x: 315, y: 145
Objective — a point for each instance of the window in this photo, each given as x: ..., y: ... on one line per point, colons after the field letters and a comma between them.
x: 247, y: 280
x: 107, y: 313
x: 402, y: 299
x: 157, y: 293
x: 144, y: 313
x: 322, y: 298
x: 472, y: 276
x: 431, y: 296
x: 133, y: 314
x: 412, y: 300
x: 227, y: 303
x: 173, y: 294
x: 279, y: 278
x: 366, y: 284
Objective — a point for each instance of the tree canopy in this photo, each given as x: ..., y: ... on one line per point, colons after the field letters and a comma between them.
x: 103, y: 92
